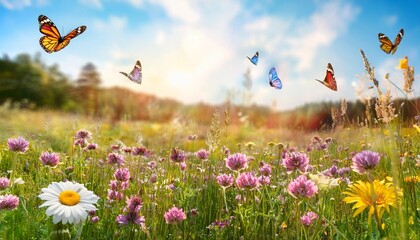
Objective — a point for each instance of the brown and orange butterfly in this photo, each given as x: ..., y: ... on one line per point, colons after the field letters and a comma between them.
x: 329, y: 80
x: 386, y: 44
x: 53, y: 41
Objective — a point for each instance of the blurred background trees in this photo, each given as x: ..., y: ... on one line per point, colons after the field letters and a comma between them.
x: 28, y: 83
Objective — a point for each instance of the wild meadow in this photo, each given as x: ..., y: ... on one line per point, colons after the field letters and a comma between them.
x: 71, y: 176
x: 180, y: 180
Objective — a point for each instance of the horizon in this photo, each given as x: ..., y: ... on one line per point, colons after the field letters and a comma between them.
x: 196, y: 52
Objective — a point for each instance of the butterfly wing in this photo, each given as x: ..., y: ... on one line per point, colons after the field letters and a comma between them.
x: 398, y: 39
x: 66, y: 39
x: 329, y: 80
x: 136, y: 74
x: 52, y: 41
x: 254, y: 58
x: 386, y: 44
x: 125, y: 74
x: 52, y: 36
x: 274, y: 80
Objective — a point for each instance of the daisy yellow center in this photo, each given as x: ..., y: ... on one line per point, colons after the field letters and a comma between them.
x: 69, y: 197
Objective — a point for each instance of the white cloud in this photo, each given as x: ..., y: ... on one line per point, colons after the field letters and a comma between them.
x: 15, y: 4
x: 182, y: 10
x: 113, y: 22
x: 320, y: 30
x: 92, y: 3
x: 134, y: 3
x: 391, y: 20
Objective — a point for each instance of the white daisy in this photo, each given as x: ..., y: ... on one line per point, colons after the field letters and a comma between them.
x: 68, y: 202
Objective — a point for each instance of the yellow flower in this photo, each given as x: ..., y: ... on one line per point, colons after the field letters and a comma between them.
x: 377, y: 197
x: 403, y: 63
x: 413, y: 179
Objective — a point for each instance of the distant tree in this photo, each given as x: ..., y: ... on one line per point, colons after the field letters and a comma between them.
x: 87, y: 89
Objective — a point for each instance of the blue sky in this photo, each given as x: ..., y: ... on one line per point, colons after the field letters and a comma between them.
x: 195, y: 51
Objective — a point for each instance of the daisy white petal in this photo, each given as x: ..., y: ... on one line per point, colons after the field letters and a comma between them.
x: 68, y: 202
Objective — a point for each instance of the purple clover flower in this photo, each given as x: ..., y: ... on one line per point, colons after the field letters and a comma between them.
x: 91, y: 147
x: 174, y: 216
x: 83, y: 134
x: 247, y: 180
x: 49, y: 159
x: 122, y: 174
x: 308, y: 218
x: 302, y: 187
x: 236, y: 161
x: 264, y: 180
x: 265, y: 170
x: 19, y: 145
x: 177, y: 155
x: 224, y: 180
x: 115, y: 158
x: 202, y: 154
x: 365, y: 161
x: 4, y: 183
x: 9, y: 202
x: 295, y: 161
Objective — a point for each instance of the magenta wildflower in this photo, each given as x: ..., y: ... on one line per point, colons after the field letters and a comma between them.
x: 308, y: 218
x: 126, y: 149
x: 114, y: 195
x: 49, y: 159
x: 237, y: 161
x: 131, y: 212
x: 81, y: 142
x: 183, y: 166
x: 224, y: 180
x: 174, y: 216
x: 202, y: 154
x: 247, y: 180
x: 141, y: 151
x: 9, y: 202
x: 83, y: 134
x: 365, y: 161
x: 177, y: 155
x: 264, y: 180
x: 18, y: 144
x: 113, y: 184
x: 295, y: 161
x: 122, y: 174
x: 134, y: 203
x: 91, y: 146
x: 302, y: 187
x: 265, y: 169
x: 115, y: 158
x: 94, y: 219
x: 4, y: 183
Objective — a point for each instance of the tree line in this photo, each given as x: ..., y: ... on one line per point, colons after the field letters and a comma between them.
x: 28, y: 83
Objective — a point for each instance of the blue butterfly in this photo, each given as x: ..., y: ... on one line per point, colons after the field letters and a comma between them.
x: 274, y: 80
x: 135, y: 75
x: 254, y: 59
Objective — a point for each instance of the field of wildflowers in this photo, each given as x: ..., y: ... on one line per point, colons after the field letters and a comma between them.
x: 66, y: 177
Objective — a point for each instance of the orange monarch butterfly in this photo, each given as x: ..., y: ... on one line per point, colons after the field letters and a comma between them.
x: 329, y: 80
x: 53, y: 41
x: 386, y: 44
